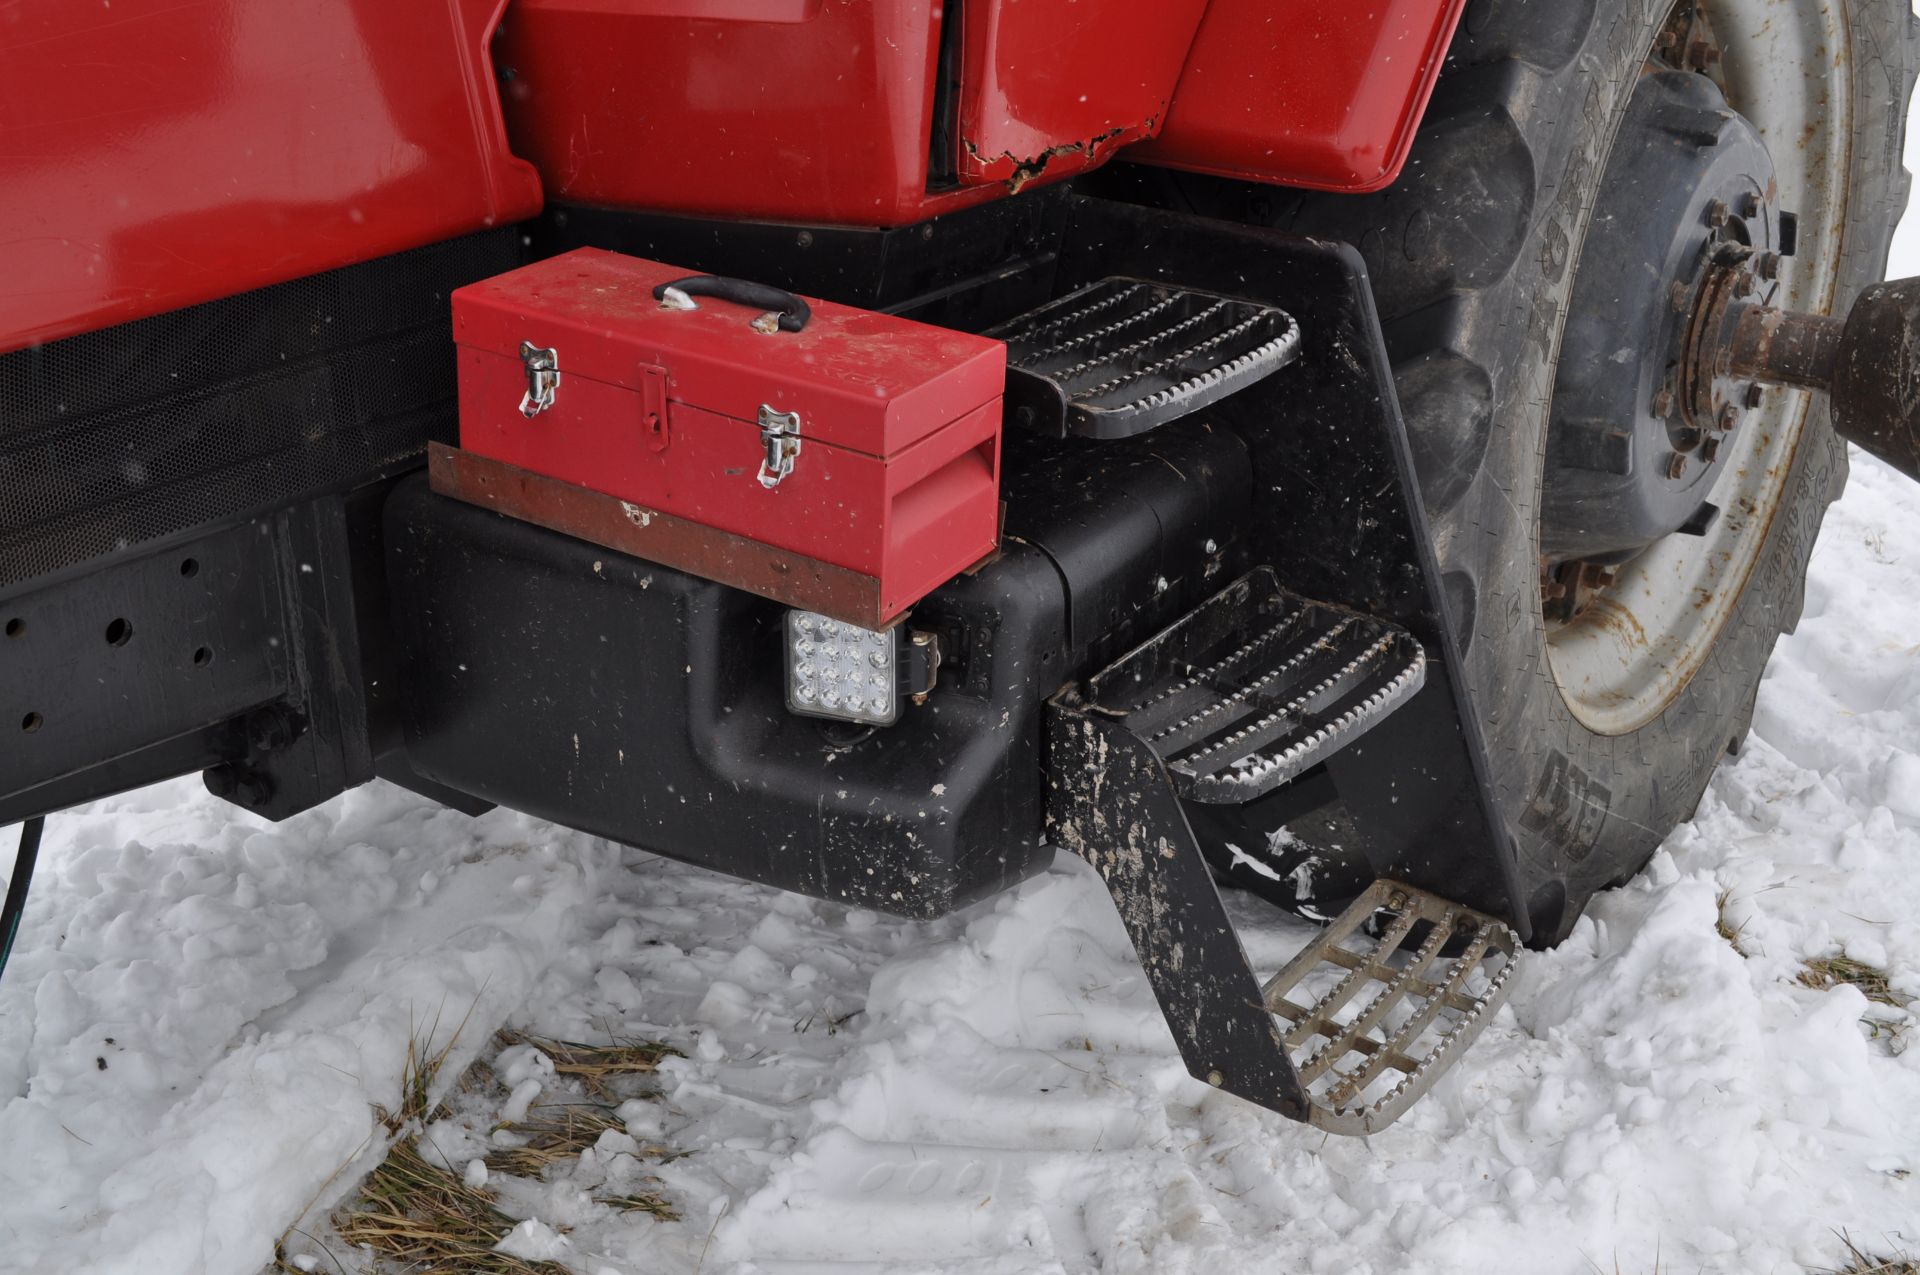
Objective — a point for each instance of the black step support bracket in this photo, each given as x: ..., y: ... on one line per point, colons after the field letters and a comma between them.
x: 1338, y: 516
x: 1388, y: 1014
x: 1111, y: 802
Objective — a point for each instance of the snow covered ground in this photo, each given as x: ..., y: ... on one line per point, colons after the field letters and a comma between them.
x: 204, y: 1008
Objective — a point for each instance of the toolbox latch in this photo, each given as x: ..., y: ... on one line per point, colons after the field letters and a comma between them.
x: 653, y: 406
x: 780, y: 435
x: 543, y: 378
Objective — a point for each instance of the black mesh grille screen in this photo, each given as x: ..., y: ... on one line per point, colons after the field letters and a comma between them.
x: 122, y: 436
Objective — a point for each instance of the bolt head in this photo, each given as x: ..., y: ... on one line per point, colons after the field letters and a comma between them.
x: 1710, y: 450
x: 1663, y: 403
x: 1728, y: 418
x: 1215, y: 1079
x: 1767, y: 265
x: 1676, y: 465
x: 1717, y: 213
x: 1753, y: 396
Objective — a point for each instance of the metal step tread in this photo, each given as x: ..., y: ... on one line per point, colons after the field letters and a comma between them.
x: 1256, y: 685
x: 1382, y: 1023
x: 1122, y: 356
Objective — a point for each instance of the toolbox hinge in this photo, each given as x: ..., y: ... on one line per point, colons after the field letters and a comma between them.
x: 780, y: 435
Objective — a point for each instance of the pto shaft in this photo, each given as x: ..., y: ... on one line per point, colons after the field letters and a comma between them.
x: 1867, y: 363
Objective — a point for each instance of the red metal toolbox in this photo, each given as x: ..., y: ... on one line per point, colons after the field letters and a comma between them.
x: 848, y: 467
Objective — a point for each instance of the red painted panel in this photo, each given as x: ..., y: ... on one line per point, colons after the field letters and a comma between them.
x: 822, y: 110
x: 1060, y: 85
x: 155, y: 153
x: 1305, y: 93
x: 804, y: 110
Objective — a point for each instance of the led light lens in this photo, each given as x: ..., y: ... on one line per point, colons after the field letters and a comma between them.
x: 839, y: 670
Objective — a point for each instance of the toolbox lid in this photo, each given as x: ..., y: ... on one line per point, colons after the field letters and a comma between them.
x: 869, y: 382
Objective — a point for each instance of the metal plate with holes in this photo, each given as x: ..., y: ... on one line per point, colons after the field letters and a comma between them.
x: 1122, y: 356
x: 1373, y: 1023
x: 1258, y: 684
x: 197, y: 417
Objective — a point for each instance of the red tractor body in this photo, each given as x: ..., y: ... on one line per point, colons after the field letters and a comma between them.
x: 175, y: 155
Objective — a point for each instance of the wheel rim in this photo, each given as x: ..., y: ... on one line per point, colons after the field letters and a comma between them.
x: 1627, y: 655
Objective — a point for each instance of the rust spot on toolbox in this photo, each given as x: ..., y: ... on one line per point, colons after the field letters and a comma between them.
x: 624, y: 527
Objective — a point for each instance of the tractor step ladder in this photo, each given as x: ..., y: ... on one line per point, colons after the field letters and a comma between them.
x: 1122, y: 356
x: 1244, y: 693
x: 1256, y: 685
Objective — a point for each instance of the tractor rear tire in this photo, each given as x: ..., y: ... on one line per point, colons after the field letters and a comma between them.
x: 1473, y: 254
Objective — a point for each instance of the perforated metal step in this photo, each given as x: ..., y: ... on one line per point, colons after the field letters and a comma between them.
x: 1382, y: 1020
x: 1256, y: 685
x: 1122, y: 356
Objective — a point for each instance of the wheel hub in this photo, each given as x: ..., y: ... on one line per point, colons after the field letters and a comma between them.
x: 1628, y: 628
x: 1684, y: 229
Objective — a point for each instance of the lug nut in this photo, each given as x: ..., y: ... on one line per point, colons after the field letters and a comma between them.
x: 1663, y: 402
x: 1749, y: 205
x: 1728, y: 419
x: 1755, y: 393
x: 1710, y: 450
x: 1717, y: 213
x: 1767, y: 265
x: 1676, y: 465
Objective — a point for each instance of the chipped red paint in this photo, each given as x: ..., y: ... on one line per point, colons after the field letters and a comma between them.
x: 1057, y: 88
x: 154, y: 154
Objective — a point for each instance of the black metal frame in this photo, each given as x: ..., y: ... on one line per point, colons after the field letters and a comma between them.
x: 1339, y: 518
x: 316, y: 665
x: 1340, y: 511
x: 189, y: 535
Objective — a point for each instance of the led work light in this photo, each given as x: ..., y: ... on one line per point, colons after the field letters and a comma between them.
x: 851, y: 674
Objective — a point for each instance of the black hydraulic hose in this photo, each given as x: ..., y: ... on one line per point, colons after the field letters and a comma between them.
x: 17, y: 886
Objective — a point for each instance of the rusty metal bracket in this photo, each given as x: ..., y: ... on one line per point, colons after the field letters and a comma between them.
x: 790, y: 578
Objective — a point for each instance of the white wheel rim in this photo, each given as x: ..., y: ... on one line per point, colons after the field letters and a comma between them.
x: 1631, y: 652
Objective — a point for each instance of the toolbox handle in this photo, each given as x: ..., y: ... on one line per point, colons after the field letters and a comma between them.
x: 793, y: 312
